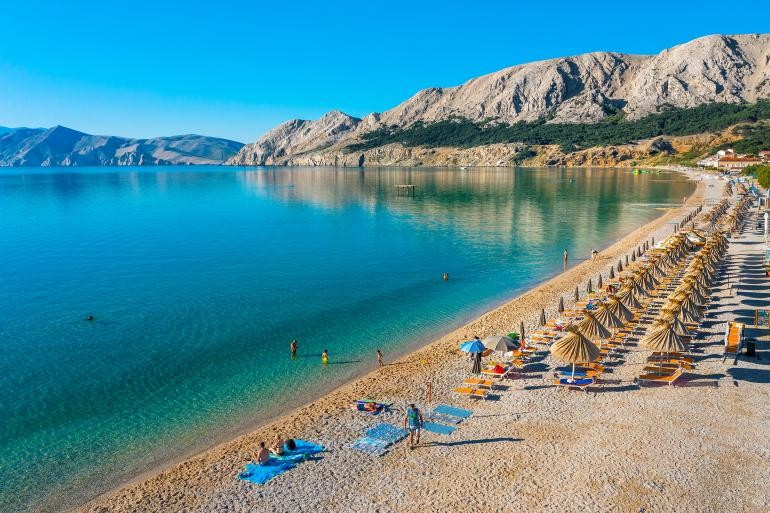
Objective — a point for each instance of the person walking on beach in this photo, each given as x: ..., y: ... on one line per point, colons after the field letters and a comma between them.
x: 594, y: 254
x: 379, y: 358
x: 413, y: 421
x: 293, y: 347
x: 325, y: 357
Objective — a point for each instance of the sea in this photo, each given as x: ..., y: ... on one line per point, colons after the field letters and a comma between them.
x: 198, y: 278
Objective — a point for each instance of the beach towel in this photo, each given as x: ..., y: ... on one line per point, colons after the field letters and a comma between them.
x: 440, y: 429
x: 451, y: 410
x: 387, y: 432
x: 443, y: 417
x: 261, y: 474
x: 370, y: 445
x: 577, y: 382
x: 378, y: 439
x: 276, y: 465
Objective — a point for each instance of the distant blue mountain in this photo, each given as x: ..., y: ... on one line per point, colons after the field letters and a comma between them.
x: 62, y: 146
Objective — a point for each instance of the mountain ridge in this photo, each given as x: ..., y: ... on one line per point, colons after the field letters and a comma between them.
x: 585, y: 88
x: 62, y: 146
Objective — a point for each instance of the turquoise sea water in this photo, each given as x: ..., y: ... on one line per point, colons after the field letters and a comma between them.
x: 199, y: 278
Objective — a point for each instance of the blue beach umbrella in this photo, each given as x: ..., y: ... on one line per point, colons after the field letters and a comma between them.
x: 473, y: 346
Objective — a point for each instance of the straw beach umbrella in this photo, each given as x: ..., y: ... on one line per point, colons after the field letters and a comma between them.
x: 605, y: 316
x: 600, y: 284
x: 577, y: 294
x: 620, y: 266
x: 670, y: 316
x: 561, y: 305
x: 542, y: 317
x: 619, y: 310
x: 521, y: 333
x: 664, y: 340
x: 612, y: 273
x: 592, y: 329
x: 574, y: 348
x: 589, y: 287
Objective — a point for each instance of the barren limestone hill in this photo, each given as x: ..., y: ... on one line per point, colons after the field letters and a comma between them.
x: 581, y: 89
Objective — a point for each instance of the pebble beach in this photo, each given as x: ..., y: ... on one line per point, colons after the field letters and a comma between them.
x: 697, y: 446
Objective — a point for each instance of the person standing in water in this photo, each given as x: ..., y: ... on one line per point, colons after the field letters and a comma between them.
x: 379, y: 358
x: 446, y: 276
x: 566, y: 256
x: 293, y: 347
x: 325, y: 357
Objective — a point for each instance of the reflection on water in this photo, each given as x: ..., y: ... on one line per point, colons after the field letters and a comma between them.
x: 199, y: 278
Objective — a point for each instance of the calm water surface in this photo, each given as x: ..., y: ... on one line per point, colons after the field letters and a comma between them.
x: 199, y: 279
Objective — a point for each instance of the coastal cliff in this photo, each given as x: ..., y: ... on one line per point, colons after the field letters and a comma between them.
x: 589, y: 88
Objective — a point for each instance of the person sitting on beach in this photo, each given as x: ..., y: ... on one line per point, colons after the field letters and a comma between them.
x: 277, y: 447
x: 413, y: 421
x: 262, y: 456
x: 291, y: 445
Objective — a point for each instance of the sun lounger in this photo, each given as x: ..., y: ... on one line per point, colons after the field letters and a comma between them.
x: 581, y: 384
x: 664, y: 378
x: 482, y: 383
x: 733, y: 339
x: 477, y: 393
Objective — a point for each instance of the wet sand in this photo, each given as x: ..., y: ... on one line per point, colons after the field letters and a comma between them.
x: 534, y: 448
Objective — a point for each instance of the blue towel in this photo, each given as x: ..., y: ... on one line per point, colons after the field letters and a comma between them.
x: 451, y: 410
x: 568, y: 372
x: 577, y: 382
x: 276, y: 465
x: 441, y: 429
x: 261, y: 474
x: 443, y: 417
x: 387, y: 433
x: 369, y: 445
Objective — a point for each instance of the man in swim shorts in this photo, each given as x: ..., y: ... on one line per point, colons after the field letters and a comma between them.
x: 413, y: 422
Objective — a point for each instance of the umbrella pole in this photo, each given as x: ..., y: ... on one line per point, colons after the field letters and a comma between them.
x: 573, y: 372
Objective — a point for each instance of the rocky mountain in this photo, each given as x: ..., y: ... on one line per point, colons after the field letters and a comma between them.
x: 580, y: 89
x: 61, y: 146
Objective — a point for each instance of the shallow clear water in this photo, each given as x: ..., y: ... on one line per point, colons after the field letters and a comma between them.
x: 198, y: 280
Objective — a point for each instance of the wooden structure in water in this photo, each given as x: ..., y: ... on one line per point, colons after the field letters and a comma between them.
x: 405, y: 190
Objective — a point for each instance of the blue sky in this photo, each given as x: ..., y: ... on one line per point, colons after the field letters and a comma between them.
x: 235, y: 68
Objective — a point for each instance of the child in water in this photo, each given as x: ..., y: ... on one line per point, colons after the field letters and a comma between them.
x: 325, y: 357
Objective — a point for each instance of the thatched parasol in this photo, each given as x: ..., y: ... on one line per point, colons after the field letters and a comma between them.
x: 542, y: 317
x: 592, y: 328
x: 561, y: 305
x: 620, y: 310
x: 600, y: 284
x: 574, y: 348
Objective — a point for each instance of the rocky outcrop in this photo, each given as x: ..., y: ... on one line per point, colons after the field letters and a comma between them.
x: 61, y: 146
x: 296, y: 137
x: 581, y: 89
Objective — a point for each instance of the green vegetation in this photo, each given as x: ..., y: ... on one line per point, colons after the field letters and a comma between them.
x: 755, y: 139
x: 761, y: 173
x: 463, y: 133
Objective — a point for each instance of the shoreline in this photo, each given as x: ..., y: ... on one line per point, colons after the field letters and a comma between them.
x: 190, y: 478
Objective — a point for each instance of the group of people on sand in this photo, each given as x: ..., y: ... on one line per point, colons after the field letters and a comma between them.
x: 294, y: 346
x: 278, y: 448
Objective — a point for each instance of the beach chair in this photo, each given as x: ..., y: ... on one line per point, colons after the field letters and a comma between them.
x: 733, y: 339
x: 669, y: 379
x: 480, y: 383
x: 475, y: 393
